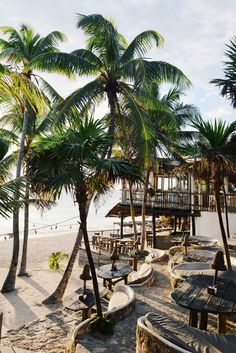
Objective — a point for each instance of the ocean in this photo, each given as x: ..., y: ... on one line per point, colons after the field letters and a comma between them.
x: 64, y: 217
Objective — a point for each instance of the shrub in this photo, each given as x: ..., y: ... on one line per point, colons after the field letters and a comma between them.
x: 102, y: 325
x: 54, y: 260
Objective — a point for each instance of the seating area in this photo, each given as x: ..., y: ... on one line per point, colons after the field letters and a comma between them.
x: 121, y: 304
x: 124, y: 246
x: 157, y: 333
x: 180, y: 272
x: 143, y: 277
x: 155, y: 255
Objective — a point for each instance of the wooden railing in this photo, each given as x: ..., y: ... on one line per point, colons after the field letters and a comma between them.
x: 181, y: 200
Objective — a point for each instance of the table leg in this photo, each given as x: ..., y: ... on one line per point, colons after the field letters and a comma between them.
x: 110, y: 284
x: 221, y: 323
x: 193, y: 316
x: 126, y: 279
x: 203, y: 320
x: 86, y: 314
x: 104, y: 282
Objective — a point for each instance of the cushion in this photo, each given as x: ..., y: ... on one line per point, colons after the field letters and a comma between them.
x: 118, y: 298
x: 144, y: 270
x: 189, y: 338
x: 133, y: 275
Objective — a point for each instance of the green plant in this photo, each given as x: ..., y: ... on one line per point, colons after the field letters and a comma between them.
x: 54, y: 260
x: 102, y: 325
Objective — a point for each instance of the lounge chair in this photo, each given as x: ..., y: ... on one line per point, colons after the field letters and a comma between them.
x: 157, y: 333
x: 121, y: 303
x: 180, y: 272
x: 145, y: 276
x: 155, y: 255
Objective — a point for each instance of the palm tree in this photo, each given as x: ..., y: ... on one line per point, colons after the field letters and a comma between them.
x: 119, y: 66
x: 20, y: 49
x: 163, y: 118
x: 71, y: 159
x: 213, y: 151
x: 228, y: 84
x: 8, y: 186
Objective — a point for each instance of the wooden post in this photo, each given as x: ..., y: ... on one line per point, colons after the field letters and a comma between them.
x: 221, y: 323
x: 135, y: 263
x: 175, y: 224
x: 203, y: 320
x: 179, y: 225
x: 193, y: 225
x: 154, y: 230
x: 121, y: 224
x: 193, y: 317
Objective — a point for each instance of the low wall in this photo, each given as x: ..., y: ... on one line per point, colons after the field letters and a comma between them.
x: 208, y: 224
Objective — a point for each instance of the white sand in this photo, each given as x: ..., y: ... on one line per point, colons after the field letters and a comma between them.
x: 24, y: 304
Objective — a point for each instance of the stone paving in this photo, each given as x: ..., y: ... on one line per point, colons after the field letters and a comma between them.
x: 52, y: 333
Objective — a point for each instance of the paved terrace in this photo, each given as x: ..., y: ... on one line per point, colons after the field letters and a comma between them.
x: 51, y: 334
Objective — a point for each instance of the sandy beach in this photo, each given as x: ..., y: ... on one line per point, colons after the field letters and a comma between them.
x: 24, y: 304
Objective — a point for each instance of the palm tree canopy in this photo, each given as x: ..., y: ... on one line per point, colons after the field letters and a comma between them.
x: 118, y: 66
x: 213, y: 148
x: 70, y: 158
x: 24, y: 45
x: 228, y: 84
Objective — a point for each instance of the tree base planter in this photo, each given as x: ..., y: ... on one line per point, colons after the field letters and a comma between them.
x: 120, y: 306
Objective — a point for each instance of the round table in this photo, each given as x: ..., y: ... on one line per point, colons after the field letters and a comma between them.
x: 194, y: 255
x: 122, y: 271
x: 193, y: 295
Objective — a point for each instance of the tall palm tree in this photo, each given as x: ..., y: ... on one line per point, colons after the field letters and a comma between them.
x: 163, y: 118
x: 228, y: 84
x: 39, y: 125
x: 119, y: 67
x: 20, y: 48
x: 213, y: 151
x: 71, y: 159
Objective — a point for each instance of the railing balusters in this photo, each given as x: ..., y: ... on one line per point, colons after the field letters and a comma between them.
x: 181, y: 200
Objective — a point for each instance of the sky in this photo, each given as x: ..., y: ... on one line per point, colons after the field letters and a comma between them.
x: 195, y: 33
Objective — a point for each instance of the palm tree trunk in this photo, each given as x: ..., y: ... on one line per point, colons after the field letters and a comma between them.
x: 223, y: 234
x: 23, y: 271
x: 132, y: 210
x: 226, y: 213
x: 9, y: 283
x: 83, y: 218
x: 143, y: 234
x: 57, y: 295
x: 111, y: 128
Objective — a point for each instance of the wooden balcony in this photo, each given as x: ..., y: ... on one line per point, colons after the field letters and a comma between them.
x: 180, y: 200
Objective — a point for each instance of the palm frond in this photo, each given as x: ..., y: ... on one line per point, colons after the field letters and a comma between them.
x: 228, y: 84
x: 63, y: 63
x: 141, y: 44
x: 143, y: 71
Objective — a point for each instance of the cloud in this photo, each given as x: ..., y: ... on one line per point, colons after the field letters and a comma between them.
x: 195, y: 34
x: 219, y: 112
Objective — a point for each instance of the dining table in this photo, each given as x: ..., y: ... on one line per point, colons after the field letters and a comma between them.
x: 111, y: 277
x: 193, y: 294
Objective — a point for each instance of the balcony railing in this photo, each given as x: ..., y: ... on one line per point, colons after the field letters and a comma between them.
x: 181, y: 200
